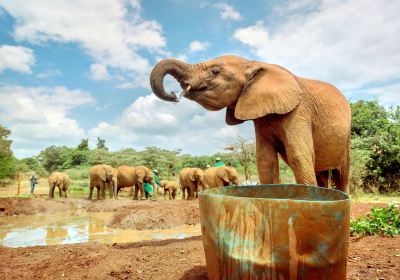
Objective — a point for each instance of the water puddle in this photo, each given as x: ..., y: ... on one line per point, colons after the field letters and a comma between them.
x: 68, y: 228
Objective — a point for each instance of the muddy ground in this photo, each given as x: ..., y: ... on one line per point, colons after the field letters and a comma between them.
x: 369, y: 257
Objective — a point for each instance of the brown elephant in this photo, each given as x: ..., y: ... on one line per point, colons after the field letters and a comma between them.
x: 60, y: 180
x: 191, y: 181
x: 221, y: 176
x: 307, y: 122
x: 169, y: 187
x: 129, y: 176
x: 102, y: 176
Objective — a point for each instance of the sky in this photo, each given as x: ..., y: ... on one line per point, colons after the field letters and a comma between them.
x: 80, y: 69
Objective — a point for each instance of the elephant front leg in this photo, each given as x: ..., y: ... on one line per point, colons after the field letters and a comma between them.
x: 136, y: 192
x: 51, y: 191
x: 90, y: 192
x: 267, y: 163
x: 300, y: 156
x: 141, y: 187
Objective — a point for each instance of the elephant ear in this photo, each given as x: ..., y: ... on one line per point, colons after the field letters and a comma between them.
x: 140, y: 173
x: 223, y: 174
x: 103, y: 174
x: 58, y: 180
x: 230, y: 117
x: 270, y: 89
x: 192, y: 175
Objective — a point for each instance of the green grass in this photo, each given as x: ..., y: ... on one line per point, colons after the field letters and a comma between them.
x: 373, y: 197
x: 380, y: 221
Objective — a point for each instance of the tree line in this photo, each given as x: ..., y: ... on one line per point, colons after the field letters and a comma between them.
x: 375, y: 164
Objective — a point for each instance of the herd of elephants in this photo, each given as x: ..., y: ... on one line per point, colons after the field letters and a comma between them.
x: 103, y: 176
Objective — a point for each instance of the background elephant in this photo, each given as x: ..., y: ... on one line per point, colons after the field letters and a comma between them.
x: 191, y: 180
x: 169, y: 187
x: 307, y: 122
x: 221, y: 176
x: 60, y: 180
x: 129, y: 176
x: 102, y: 176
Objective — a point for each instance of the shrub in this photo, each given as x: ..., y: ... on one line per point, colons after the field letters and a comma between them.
x: 380, y: 221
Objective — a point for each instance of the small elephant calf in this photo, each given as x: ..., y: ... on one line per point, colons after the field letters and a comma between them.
x: 170, y: 187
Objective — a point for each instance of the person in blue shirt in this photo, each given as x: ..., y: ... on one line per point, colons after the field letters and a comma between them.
x: 33, y: 182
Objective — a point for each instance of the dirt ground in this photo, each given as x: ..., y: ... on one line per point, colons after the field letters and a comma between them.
x: 371, y: 257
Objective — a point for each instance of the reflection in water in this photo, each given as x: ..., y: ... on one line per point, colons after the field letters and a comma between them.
x: 68, y: 228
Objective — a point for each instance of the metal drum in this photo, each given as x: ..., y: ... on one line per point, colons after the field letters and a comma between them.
x: 275, y: 232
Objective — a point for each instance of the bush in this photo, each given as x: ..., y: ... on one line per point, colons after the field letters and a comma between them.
x: 380, y: 221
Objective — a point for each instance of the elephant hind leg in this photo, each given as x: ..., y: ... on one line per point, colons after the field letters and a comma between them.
x: 340, y: 178
x: 323, y: 178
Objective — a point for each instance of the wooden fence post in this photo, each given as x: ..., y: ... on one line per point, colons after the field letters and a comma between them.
x: 19, y: 183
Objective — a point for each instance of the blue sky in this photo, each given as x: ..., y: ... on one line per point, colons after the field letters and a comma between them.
x: 77, y: 71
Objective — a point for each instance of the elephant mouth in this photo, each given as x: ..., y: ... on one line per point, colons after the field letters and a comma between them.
x: 191, y: 93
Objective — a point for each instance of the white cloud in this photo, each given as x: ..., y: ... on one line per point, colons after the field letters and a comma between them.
x: 388, y: 95
x: 186, y: 125
x: 227, y: 12
x: 349, y: 43
x: 99, y: 72
x: 198, y: 46
x: 16, y: 58
x: 39, y: 116
x: 111, y: 32
x: 48, y: 74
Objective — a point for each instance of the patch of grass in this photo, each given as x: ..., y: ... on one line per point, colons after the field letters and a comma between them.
x: 380, y: 221
x: 375, y: 197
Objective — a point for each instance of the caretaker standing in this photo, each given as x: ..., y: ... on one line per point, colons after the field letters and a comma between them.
x: 33, y: 182
x: 218, y: 162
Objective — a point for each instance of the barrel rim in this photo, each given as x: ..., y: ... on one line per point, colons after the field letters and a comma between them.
x: 204, y: 193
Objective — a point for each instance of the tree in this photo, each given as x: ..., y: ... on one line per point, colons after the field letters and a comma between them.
x: 7, y: 161
x: 84, y: 145
x: 245, y: 151
x: 383, y: 167
x: 101, y: 144
x: 368, y: 117
x: 54, y: 158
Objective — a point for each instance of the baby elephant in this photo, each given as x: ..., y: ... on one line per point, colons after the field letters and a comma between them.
x: 60, y: 180
x: 221, y: 176
x: 170, y: 187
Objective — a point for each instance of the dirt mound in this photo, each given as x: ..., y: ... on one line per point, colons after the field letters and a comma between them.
x: 31, y: 206
x: 152, y: 215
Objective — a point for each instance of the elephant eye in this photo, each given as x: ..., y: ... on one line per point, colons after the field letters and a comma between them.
x: 215, y: 71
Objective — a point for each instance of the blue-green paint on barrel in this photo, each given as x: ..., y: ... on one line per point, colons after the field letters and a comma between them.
x: 275, y: 232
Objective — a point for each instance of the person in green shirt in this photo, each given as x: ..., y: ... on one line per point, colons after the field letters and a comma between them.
x: 218, y: 162
x: 148, y: 188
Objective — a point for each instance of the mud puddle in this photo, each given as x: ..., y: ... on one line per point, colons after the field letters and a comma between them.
x: 69, y: 228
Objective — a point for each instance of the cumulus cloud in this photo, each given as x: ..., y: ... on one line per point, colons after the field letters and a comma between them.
x: 111, y: 32
x: 99, y: 72
x: 349, y: 43
x: 16, y: 58
x: 198, y: 46
x: 185, y: 125
x: 227, y: 12
x: 39, y: 115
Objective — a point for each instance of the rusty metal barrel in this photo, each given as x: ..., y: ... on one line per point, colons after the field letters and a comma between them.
x: 275, y: 232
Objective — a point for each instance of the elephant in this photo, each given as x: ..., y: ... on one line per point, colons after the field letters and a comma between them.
x: 60, y: 180
x: 306, y: 122
x: 170, y: 187
x: 221, y: 176
x: 191, y: 180
x: 129, y: 176
x: 102, y: 176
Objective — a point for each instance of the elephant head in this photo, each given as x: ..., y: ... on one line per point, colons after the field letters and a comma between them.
x: 109, y: 174
x: 163, y: 183
x: 144, y: 175
x: 231, y: 82
x: 197, y: 175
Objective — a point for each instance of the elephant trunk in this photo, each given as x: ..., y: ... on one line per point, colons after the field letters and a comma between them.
x: 174, y: 67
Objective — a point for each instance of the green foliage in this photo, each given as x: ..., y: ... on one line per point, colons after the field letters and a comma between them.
x: 84, y: 145
x: 101, y: 144
x: 383, y: 167
x: 380, y: 221
x: 7, y: 162
x: 54, y: 158
x: 367, y: 118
